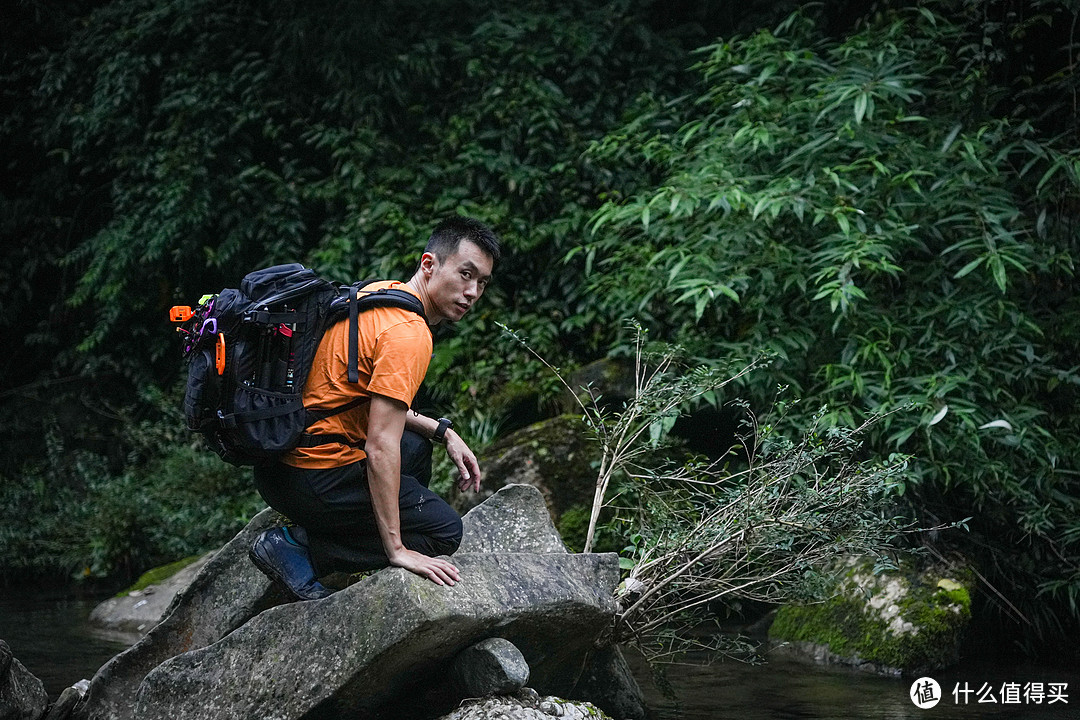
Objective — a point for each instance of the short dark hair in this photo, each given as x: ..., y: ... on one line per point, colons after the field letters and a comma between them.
x: 448, y: 234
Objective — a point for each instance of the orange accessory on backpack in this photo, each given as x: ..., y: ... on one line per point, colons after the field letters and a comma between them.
x: 219, y: 356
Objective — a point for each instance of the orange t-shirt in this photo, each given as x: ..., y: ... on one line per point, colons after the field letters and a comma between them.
x: 394, y: 352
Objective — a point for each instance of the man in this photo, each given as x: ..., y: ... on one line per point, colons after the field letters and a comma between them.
x: 361, y: 501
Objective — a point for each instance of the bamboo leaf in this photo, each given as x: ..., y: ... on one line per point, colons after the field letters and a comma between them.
x: 860, y: 108
x: 947, y: 143
x: 968, y: 268
x: 1005, y: 424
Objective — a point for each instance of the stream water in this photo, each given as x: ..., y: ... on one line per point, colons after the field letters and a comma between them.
x: 52, y: 638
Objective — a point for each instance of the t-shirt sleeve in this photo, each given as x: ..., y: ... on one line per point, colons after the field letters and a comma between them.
x: 402, y: 354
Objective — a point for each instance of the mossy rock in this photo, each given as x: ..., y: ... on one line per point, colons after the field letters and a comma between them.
x: 155, y: 576
x: 610, y: 380
x: 558, y: 456
x: 907, y: 622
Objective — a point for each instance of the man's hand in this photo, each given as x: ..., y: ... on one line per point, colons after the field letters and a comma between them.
x: 386, y: 420
x: 465, y: 459
x: 435, y: 569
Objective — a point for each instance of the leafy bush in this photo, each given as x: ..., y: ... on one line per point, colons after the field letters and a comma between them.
x: 850, y: 207
x: 160, y: 151
x: 77, y: 514
x: 764, y: 522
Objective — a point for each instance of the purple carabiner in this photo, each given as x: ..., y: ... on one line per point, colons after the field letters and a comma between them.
x: 212, y: 323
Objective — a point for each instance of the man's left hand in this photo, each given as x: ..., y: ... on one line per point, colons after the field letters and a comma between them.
x: 465, y: 459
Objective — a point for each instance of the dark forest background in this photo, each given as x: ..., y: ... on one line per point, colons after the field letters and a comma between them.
x: 883, y: 198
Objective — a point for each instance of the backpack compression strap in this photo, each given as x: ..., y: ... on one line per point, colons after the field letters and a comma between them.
x: 308, y: 440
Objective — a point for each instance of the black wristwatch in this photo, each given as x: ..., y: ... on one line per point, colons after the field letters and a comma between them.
x: 439, y: 435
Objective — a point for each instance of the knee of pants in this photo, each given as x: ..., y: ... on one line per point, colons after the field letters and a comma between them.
x: 416, y: 457
x: 451, y: 540
x: 414, y: 448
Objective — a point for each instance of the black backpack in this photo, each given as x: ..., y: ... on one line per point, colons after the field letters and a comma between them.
x: 250, y: 351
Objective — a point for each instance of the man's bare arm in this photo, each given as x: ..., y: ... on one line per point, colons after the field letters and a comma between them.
x: 386, y: 421
x: 460, y: 453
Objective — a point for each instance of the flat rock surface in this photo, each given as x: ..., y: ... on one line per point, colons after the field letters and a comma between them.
x: 141, y: 610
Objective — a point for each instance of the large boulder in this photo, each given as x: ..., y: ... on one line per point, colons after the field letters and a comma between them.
x: 22, y: 695
x: 906, y: 622
x: 226, y: 592
x: 232, y: 646
x: 370, y: 649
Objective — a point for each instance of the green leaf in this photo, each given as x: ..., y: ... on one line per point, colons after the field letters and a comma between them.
x: 968, y: 268
x: 997, y: 268
x: 1050, y: 172
x: 842, y: 221
x: 725, y: 290
x: 860, y: 107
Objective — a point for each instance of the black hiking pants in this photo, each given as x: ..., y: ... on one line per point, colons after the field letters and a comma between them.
x: 334, y: 508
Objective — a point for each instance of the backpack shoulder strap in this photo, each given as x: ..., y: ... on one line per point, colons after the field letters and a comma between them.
x: 384, y: 297
x: 354, y: 334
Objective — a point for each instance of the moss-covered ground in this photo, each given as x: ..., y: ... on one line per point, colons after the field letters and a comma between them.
x: 919, y: 629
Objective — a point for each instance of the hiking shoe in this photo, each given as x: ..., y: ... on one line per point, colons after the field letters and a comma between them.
x: 286, y: 564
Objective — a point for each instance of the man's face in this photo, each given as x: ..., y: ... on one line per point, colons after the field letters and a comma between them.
x: 458, y: 281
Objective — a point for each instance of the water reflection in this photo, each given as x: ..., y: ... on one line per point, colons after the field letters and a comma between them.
x: 53, y: 640
x: 784, y: 689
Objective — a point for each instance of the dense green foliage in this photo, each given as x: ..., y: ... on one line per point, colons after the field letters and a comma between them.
x: 177, y: 145
x: 887, y: 203
x: 852, y: 207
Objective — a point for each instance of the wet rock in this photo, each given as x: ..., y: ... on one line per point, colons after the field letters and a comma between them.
x: 22, y: 695
x: 223, y: 595
x: 490, y: 667
x: 65, y: 705
x: 608, y: 682
x: 908, y: 622
x: 140, y: 610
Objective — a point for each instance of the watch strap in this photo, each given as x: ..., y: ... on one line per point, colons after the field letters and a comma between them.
x: 439, y: 435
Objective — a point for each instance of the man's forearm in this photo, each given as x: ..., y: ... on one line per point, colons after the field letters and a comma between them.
x: 422, y: 425
x: 384, y: 482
